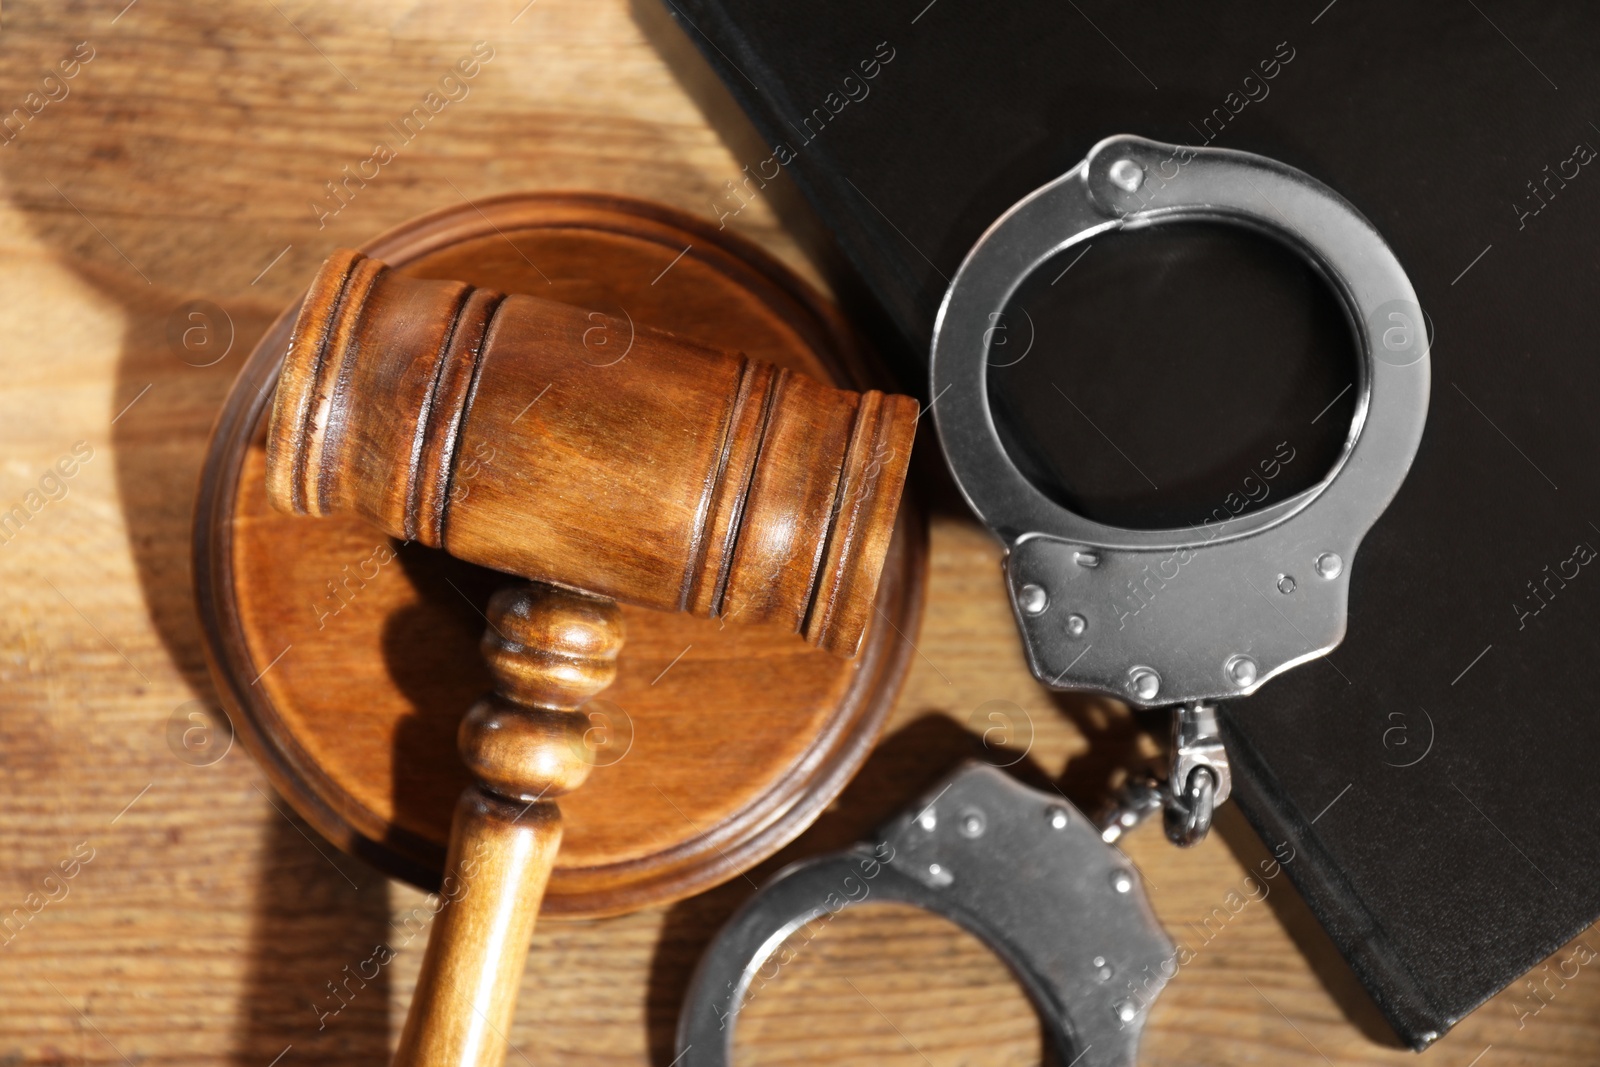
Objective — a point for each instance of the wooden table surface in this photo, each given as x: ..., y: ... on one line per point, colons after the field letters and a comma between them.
x: 186, y: 159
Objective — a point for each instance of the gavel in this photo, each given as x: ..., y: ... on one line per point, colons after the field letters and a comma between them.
x: 507, y: 431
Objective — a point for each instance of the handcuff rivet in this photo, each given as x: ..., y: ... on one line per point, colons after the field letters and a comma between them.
x: 1126, y: 175
x: 1076, y: 624
x: 972, y: 824
x: 939, y: 875
x: 1102, y: 969
x: 1146, y: 683
x: 928, y: 819
x: 1057, y: 815
x: 1126, y: 1010
x: 1329, y: 565
x: 1032, y: 599
x: 1241, y: 671
x: 1121, y: 881
x: 1285, y: 584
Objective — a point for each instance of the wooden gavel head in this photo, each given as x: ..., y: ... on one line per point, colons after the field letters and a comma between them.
x: 575, y: 448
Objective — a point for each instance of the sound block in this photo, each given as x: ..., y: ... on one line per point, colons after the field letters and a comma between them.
x: 347, y: 660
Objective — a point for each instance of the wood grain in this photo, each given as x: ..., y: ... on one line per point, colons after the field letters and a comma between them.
x: 549, y: 650
x: 208, y: 927
x: 657, y: 471
x: 668, y: 474
x: 353, y: 739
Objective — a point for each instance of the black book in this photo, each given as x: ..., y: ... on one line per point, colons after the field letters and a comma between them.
x: 1437, y: 773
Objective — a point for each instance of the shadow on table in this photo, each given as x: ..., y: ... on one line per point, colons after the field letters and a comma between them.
x: 318, y: 982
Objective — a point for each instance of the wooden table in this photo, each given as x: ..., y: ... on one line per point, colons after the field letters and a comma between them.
x: 185, y: 160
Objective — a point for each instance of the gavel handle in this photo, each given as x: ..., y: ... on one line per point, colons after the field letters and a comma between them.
x: 467, y: 991
x: 549, y: 650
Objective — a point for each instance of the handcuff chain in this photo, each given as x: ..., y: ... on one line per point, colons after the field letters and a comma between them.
x: 1199, y: 780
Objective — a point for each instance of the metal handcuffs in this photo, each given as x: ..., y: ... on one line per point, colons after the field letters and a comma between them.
x: 1243, y: 599
x: 1024, y: 871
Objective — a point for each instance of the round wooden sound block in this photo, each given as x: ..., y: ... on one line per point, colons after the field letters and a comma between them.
x: 347, y: 660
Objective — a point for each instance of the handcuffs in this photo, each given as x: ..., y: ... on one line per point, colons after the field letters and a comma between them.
x: 1241, y: 601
